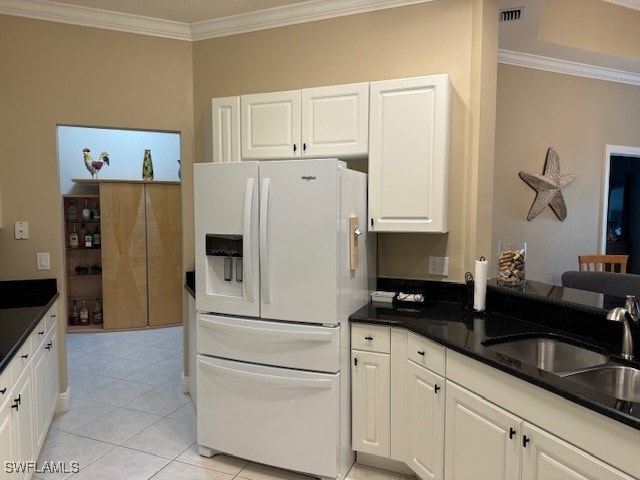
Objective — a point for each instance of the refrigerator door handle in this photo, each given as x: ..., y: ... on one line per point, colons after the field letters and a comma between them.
x: 264, y: 252
x: 247, y: 240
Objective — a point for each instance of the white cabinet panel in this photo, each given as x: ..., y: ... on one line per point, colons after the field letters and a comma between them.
x: 371, y: 397
x: 425, y: 421
x: 270, y: 125
x: 335, y: 120
x: 408, y: 154
x: 23, y: 418
x: 482, y: 440
x: 547, y: 457
x: 41, y: 395
x: 223, y: 137
x: 7, y: 439
x: 53, y: 384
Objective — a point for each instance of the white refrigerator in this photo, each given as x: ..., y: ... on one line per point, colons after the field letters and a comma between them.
x: 275, y: 284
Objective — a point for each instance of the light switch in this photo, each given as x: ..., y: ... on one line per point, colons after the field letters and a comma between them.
x: 22, y: 230
x: 43, y: 261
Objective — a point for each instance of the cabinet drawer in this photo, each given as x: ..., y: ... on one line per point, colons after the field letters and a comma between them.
x: 38, y: 334
x: 372, y: 338
x: 21, y: 359
x: 426, y: 353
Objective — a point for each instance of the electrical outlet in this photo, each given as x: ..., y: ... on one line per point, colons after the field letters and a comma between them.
x: 439, y: 266
x: 21, y: 230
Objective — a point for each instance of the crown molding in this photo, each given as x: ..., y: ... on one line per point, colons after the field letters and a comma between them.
x: 93, y: 17
x: 568, y: 68
x: 290, y: 15
x: 270, y: 18
x: 634, y: 4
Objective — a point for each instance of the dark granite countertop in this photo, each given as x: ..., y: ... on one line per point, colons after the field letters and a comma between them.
x: 451, y: 325
x: 23, y: 303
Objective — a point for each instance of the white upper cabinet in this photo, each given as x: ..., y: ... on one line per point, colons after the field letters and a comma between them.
x: 409, y: 154
x: 270, y: 125
x: 335, y: 120
x: 222, y: 142
x: 314, y: 122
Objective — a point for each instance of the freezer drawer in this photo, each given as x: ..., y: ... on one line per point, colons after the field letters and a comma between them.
x: 280, y: 417
x: 307, y: 347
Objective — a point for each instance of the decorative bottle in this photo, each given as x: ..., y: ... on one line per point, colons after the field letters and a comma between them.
x: 88, y: 238
x: 96, y: 237
x: 97, y: 311
x: 72, y: 211
x: 75, y: 316
x: 84, y: 314
x: 73, y: 238
x: 95, y: 213
x: 147, y: 166
x: 86, y: 211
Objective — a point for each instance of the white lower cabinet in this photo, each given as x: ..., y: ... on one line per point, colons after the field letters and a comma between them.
x: 482, y: 440
x: 425, y: 415
x: 547, y: 457
x: 28, y: 403
x: 444, y: 430
x: 371, y: 397
x: 22, y: 405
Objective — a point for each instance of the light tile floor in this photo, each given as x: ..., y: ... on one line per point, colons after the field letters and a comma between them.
x: 129, y: 419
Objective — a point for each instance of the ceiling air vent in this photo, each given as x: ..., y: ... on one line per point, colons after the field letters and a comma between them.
x: 511, y: 14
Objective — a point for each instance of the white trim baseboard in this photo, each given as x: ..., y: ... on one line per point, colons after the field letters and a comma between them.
x: 185, y: 383
x: 566, y: 67
x: 64, y: 401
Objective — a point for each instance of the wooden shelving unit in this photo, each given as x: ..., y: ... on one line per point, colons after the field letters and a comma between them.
x: 83, y: 266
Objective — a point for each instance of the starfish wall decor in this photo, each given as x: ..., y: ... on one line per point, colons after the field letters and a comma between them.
x: 548, y: 187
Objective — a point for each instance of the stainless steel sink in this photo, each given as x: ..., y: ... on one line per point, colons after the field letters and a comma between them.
x: 618, y: 381
x: 547, y: 353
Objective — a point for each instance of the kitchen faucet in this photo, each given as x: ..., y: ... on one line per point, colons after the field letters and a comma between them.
x: 620, y: 314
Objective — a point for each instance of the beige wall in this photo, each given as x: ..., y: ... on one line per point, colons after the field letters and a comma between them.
x: 55, y: 73
x: 429, y: 38
x: 578, y: 117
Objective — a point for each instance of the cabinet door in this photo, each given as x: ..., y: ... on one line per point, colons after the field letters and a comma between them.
x: 164, y: 254
x: 271, y: 125
x: 482, y: 440
x: 425, y: 404
x: 23, y: 419
x: 53, y: 388
x: 40, y: 395
x: 223, y: 137
x: 371, y: 402
x: 335, y: 120
x: 546, y: 456
x: 7, y: 438
x: 408, y: 155
x: 124, y: 263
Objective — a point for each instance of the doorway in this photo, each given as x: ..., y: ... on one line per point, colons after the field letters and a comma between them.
x: 620, y: 230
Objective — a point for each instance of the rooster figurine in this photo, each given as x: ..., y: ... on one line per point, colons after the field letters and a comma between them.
x: 86, y: 153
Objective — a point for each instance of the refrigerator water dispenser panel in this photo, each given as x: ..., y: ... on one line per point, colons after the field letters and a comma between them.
x: 224, y: 264
x: 223, y: 245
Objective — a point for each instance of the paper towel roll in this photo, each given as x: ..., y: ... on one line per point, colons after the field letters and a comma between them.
x: 480, y: 285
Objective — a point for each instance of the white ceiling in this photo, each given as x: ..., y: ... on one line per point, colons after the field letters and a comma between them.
x: 201, y: 19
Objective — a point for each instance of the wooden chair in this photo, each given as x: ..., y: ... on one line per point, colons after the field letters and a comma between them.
x: 603, y: 263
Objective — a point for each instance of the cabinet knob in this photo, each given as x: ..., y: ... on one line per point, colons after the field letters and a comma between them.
x: 512, y: 432
x: 19, y: 399
x: 355, y: 362
x: 368, y: 338
x: 16, y: 406
x: 3, y: 391
x: 420, y: 352
x: 41, y: 333
x: 295, y: 148
x: 304, y: 147
x: 436, y: 389
x: 53, y: 315
x: 525, y: 440
x: 26, y: 355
